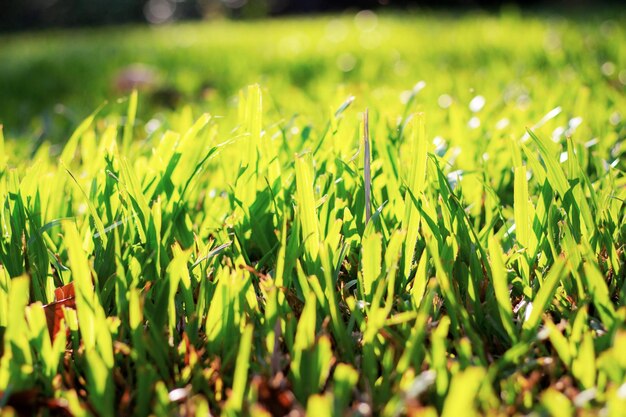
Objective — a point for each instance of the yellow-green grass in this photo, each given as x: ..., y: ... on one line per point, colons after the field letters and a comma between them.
x: 220, y: 250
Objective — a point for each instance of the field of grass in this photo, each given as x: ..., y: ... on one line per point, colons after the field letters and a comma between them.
x: 416, y: 215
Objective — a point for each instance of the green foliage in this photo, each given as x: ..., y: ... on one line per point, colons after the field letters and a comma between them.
x: 224, y: 262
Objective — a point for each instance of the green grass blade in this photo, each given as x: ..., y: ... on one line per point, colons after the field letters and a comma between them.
x: 501, y: 288
x: 544, y: 295
x: 463, y: 390
x: 306, y: 207
x: 556, y: 176
x: 236, y: 399
x: 416, y: 183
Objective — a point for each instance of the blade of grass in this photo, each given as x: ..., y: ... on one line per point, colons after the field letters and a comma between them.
x: 306, y: 207
x: 501, y: 288
x: 544, y: 295
x: 416, y: 183
x: 236, y: 399
x: 367, y: 171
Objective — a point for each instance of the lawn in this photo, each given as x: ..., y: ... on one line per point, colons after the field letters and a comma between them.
x: 348, y: 215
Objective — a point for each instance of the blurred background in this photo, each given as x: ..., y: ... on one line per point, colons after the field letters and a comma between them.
x: 33, y: 14
x: 62, y: 59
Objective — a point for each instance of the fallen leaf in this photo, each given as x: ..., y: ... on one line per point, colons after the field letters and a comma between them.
x: 63, y: 297
x: 275, y: 396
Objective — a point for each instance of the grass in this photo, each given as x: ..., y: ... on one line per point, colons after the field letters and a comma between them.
x: 254, y: 255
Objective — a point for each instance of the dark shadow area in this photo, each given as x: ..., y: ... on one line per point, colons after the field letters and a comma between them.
x: 19, y: 15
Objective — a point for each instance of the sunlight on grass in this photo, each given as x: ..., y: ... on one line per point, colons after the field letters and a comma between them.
x: 242, y: 256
